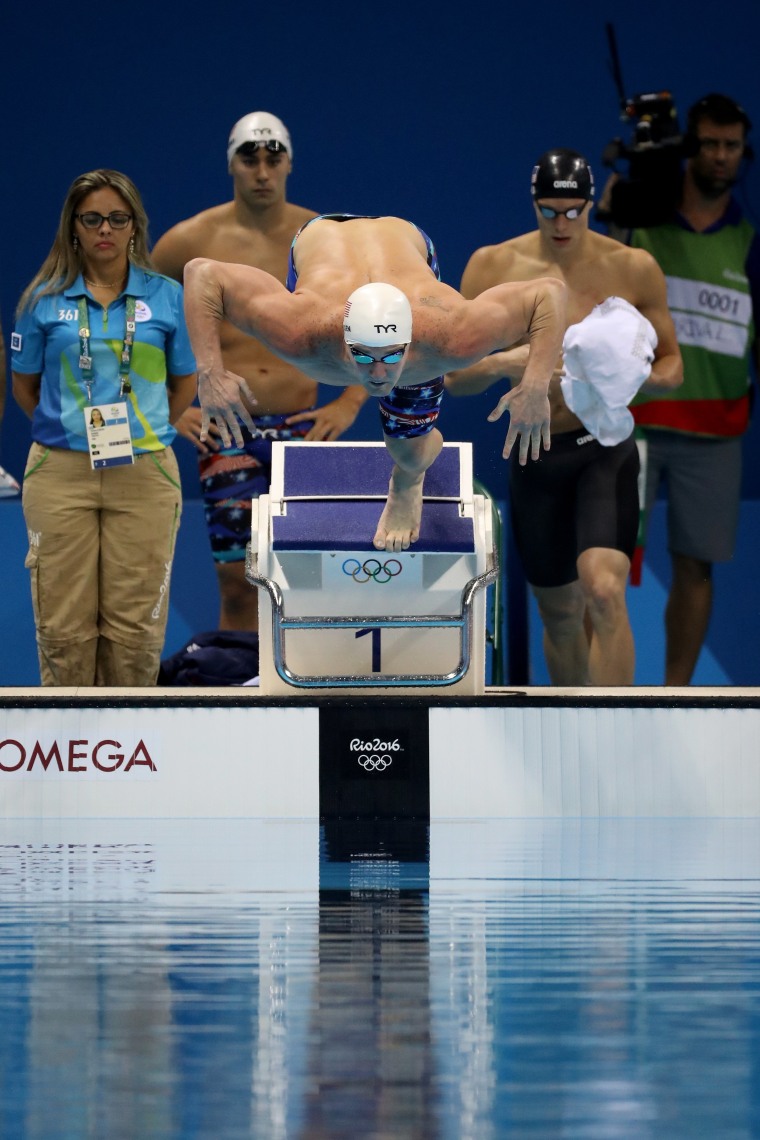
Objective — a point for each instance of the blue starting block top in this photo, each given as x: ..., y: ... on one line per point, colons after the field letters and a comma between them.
x: 333, y: 497
x: 351, y: 525
x: 360, y: 473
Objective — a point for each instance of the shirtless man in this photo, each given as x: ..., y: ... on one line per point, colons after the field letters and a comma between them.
x: 255, y: 228
x: 575, y: 515
x: 366, y: 309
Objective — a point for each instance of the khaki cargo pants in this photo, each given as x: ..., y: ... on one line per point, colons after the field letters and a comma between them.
x: 101, y: 545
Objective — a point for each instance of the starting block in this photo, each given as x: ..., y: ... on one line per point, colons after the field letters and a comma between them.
x: 334, y: 613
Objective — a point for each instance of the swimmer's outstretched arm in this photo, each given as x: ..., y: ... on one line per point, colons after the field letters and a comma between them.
x: 216, y: 291
x: 536, y: 310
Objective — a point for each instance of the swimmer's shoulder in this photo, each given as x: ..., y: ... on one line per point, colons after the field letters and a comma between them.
x: 192, y: 237
x: 298, y: 216
x: 622, y: 258
x: 513, y: 260
x: 204, y: 223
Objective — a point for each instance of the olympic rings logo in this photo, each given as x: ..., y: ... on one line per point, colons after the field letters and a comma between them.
x: 380, y: 572
x: 375, y: 763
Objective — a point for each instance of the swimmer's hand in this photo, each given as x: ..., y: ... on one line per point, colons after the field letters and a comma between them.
x: 329, y: 420
x: 224, y: 398
x: 529, y: 417
x: 189, y: 426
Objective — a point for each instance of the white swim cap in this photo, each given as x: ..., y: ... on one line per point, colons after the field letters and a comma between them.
x: 260, y: 127
x: 377, y: 314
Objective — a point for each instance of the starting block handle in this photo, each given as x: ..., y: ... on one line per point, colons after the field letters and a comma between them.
x: 281, y: 623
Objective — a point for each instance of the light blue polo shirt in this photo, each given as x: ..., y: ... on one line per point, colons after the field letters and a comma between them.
x: 46, y: 341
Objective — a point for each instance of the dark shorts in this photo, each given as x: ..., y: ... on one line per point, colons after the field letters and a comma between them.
x: 233, y: 476
x: 703, y: 478
x: 577, y: 496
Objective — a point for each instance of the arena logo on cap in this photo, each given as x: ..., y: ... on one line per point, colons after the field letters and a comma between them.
x: 565, y: 185
x: 103, y: 757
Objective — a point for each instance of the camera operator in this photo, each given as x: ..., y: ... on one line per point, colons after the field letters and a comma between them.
x: 710, y: 255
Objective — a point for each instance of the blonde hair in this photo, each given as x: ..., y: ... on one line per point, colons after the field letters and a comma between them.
x: 64, y: 263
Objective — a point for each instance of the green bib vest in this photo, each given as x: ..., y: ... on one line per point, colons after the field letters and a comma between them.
x: 709, y: 300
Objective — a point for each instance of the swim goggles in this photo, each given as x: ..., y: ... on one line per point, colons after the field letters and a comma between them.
x: 571, y: 214
x: 273, y: 145
x: 365, y: 358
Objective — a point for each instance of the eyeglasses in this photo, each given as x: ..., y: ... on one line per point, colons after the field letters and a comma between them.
x: 117, y: 220
x: 272, y: 145
x: 571, y: 214
x: 365, y: 358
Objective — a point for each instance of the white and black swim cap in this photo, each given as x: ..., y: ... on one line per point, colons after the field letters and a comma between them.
x: 562, y: 173
x: 377, y: 314
x: 259, y: 127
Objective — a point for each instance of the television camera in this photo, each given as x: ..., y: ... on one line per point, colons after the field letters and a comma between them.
x: 647, y: 193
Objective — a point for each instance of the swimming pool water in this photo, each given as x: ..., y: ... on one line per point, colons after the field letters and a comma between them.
x: 268, y: 979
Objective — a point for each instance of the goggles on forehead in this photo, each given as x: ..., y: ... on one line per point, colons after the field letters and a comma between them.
x: 274, y: 146
x: 389, y: 358
x: 571, y: 214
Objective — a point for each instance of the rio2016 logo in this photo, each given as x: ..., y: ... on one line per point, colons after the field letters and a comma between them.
x: 375, y: 754
x: 372, y: 570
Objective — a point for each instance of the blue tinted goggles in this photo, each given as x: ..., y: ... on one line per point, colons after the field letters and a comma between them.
x: 365, y: 358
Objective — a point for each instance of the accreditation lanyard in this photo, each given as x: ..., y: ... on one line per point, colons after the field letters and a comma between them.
x: 85, y: 352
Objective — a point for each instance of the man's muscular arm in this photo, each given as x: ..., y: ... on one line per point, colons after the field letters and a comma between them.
x: 169, y: 255
x: 213, y: 291
x: 504, y: 364
x: 479, y: 275
x: 537, y: 311
x: 652, y: 297
x: 530, y: 351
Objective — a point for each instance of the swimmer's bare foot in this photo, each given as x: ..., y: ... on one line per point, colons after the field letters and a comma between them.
x: 399, y: 524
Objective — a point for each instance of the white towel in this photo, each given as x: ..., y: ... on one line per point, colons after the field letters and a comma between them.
x: 607, y: 357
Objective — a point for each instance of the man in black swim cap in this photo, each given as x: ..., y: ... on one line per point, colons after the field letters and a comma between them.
x: 576, y: 513
x: 562, y: 173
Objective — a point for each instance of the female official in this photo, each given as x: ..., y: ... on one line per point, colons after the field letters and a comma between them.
x: 97, y: 326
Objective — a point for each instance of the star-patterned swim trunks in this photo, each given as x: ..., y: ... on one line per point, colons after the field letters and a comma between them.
x: 233, y: 476
x: 411, y: 411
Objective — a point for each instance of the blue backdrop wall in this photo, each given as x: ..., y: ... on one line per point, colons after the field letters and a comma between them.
x: 433, y: 113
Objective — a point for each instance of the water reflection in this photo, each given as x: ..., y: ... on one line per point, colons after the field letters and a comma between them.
x: 370, y: 1027
x: 251, y: 979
